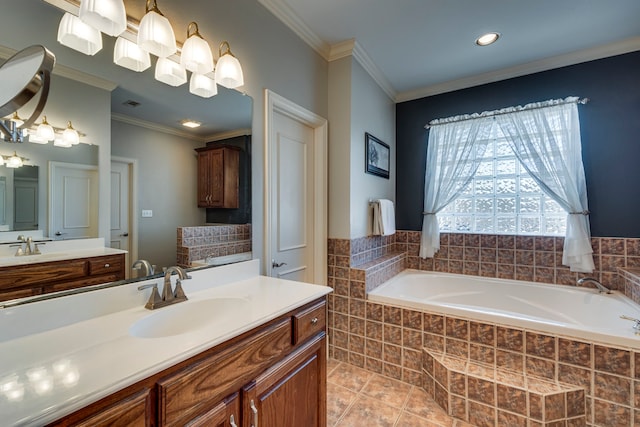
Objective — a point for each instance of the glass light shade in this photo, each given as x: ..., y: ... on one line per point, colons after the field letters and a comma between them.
x: 44, y: 132
x: 59, y: 142
x: 36, y: 139
x: 229, y: 71
x: 70, y: 135
x: 127, y: 54
x: 202, y: 85
x: 170, y: 72
x: 14, y: 161
x: 155, y: 35
x: 77, y: 35
x: 108, y: 16
x: 196, y: 55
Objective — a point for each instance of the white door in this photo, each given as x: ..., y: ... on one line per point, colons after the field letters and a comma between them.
x: 25, y: 204
x: 73, y: 201
x: 292, y: 199
x: 295, y: 225
x: 120, y: 185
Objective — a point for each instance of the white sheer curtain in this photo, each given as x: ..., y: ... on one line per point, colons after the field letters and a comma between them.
x: 451, y: 153
x: 546, y: 140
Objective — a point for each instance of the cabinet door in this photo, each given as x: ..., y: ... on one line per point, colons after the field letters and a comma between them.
x: 203, y: 178
x: 290, y: 394
x: 225, y: 414
x: 216, y: 178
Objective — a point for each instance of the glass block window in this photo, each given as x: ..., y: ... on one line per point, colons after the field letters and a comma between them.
x: 502, y: 199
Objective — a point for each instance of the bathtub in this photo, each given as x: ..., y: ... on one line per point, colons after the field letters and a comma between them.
x: 561, y: 310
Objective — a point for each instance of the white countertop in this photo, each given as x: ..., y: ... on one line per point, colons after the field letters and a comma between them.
x: 57, y: 250
x: 88, y: 353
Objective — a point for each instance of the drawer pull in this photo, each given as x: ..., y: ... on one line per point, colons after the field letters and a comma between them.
x: 314, y: 321
x: 107, y: 265
x: 232, y: 422
x: 255, y: 414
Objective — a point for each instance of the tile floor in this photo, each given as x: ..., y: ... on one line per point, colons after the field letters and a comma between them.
x: 359, y: 398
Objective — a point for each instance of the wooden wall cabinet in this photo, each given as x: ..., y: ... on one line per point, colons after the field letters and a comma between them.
x: 218, y: 177
x: 25, y: 280
x: 271, y: 376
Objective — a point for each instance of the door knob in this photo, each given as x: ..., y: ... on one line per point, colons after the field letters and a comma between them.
x: 124, y: 235
x: 59, y: 233
x: 275, y: 264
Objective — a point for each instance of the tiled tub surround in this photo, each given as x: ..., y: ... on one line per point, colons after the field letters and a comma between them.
x: 389, y: 340
x: 196, y: 243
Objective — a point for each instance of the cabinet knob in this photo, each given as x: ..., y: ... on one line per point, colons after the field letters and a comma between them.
x: 107, y: 265
x: 232, y: 422
x: 314, y: 321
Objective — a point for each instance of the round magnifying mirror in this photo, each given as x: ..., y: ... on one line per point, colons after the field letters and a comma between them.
x: 22, y: 76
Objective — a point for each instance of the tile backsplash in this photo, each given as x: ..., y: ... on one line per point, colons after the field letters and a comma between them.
x: 196, y: 243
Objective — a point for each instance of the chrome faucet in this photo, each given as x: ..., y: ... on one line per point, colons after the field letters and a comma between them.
x: 168, y: 297
x: 601, y: 288
x: 145, y: 266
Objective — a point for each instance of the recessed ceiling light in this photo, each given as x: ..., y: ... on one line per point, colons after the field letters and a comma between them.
x: 487, y: 39
x: 191, y: 123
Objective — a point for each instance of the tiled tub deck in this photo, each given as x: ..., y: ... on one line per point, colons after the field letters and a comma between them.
x: 390, y: 340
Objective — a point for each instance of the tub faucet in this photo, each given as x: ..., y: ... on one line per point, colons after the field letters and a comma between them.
x: 601, y: 288
x: 145, y: 266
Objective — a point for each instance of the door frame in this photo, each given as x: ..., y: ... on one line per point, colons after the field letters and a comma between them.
x: 133, y: 206
x: 275, y: 103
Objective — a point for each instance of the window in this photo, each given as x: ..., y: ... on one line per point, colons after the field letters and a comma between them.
x: 502, y: 198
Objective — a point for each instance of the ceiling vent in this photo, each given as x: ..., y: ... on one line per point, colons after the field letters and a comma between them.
x: 131, y: 103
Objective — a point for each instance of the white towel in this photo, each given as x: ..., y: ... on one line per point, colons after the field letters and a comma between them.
x: 384, y: 218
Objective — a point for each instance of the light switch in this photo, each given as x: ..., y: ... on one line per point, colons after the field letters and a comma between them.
x: 147, y: 213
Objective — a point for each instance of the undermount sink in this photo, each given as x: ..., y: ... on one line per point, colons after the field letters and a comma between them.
x: 187, y: 316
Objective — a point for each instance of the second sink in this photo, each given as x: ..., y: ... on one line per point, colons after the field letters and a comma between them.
x: 187, y: 317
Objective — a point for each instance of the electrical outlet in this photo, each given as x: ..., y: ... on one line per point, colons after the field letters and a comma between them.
x: 147, y: 213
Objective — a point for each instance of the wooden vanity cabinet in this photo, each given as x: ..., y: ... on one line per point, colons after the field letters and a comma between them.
x: 275, y: 373
x: 44, y: 277
x: 218, y: 177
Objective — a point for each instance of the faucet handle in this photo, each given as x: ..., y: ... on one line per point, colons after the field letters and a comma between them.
x: 36, y: 249
x: 154, y: 299
x: 20, y: 251
x: 178, y: 293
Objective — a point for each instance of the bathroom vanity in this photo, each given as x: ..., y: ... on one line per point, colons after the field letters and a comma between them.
x: 244, y: 350
x: 61, y: 266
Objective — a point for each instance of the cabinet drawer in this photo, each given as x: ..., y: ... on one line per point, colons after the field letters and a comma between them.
x: 106, y: 264
x: 134, y: 411
x: 42, y: 273
x: 199, y: 388
x: 309, y: 322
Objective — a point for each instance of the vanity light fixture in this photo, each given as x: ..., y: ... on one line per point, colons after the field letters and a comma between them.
x: 228, y: 69
x: 487, y: 39
x: 59, y: 142
x: 191, y: 123
x: 16, y: 119
x: 202, y: 85
x: 77, y: 35
x: 44, y: 132
x: 170, y: 72
x: 70, y: 135
x: 196, y: 53
x: 155, y: 34
x: 129, y: 55
x: 108, y: 16
x: 14, y: 161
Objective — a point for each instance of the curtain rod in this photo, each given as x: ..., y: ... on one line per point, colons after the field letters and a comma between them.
x: 464, y: 118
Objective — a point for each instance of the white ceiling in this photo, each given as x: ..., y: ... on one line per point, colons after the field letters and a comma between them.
x: 415, y: 48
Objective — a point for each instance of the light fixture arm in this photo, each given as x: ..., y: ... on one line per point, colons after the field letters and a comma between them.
x: 196, y: 32
x: 227, y: 51
x: 153, y: 7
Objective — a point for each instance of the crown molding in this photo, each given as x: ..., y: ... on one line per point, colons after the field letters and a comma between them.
x: 284, y: 13
x: 155, y: 126
x: 229, y: 134
x: 592, y: 54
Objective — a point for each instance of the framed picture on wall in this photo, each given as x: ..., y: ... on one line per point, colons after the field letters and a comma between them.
x: 377, y: 156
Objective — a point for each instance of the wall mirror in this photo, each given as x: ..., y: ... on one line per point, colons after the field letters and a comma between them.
x: 141, y: 120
